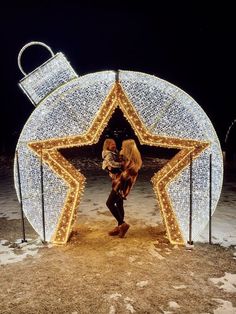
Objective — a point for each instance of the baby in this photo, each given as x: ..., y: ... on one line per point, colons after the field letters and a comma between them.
x: 111, y: 161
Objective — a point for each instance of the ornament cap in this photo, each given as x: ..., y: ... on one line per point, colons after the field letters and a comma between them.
x: 50, y: 75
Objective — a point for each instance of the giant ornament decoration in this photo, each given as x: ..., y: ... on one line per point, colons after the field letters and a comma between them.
x: 73, y: 111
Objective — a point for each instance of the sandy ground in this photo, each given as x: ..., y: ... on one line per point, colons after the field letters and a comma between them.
x: 95, y: 273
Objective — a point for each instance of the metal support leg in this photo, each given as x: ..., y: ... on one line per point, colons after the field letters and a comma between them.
x: 210, y: 197
x: 42, y: 199
x: 190, y: 241
x: 20, y: 196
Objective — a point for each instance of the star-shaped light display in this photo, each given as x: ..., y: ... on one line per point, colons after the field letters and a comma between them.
x: 48, y: 151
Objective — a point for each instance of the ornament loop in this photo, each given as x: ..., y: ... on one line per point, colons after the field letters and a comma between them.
x: 28, y: 45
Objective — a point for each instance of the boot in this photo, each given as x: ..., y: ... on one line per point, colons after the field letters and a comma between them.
x: 123, y: 229
x: 115, y: 231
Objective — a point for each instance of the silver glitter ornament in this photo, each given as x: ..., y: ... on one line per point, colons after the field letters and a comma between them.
x: 73, y: 111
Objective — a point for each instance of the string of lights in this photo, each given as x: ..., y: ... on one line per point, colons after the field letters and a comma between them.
x: 75, y: 113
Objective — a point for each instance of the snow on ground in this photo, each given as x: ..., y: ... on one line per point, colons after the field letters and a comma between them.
x: 9, y: 206
x: 127, y: 302
x: 226, y: 307
x: 227, y: 282
x: 93, y: 206
x: 18, y: 251
x: 173, y: 305
x: 224, y: 218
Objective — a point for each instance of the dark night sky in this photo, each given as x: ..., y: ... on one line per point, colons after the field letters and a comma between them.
x: 185, y: 43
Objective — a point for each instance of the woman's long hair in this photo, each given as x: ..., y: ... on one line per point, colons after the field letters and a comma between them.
x: 131, y: 154
x: 132, y: 163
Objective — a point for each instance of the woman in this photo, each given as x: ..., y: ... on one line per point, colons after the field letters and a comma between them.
x: 122, y: 184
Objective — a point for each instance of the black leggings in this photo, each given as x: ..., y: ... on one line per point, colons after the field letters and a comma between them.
x: 115, y: 205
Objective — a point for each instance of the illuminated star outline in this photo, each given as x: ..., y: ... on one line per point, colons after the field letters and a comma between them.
x: 48, y: 151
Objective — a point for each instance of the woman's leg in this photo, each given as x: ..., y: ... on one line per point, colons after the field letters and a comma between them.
x: 120, y: 208
x: 115, y: 205
x: 123, y: 226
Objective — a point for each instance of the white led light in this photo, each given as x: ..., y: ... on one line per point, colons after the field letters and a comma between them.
x: 164, y: 110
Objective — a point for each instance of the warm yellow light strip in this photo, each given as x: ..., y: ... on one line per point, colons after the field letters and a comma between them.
x: 75, y: 180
